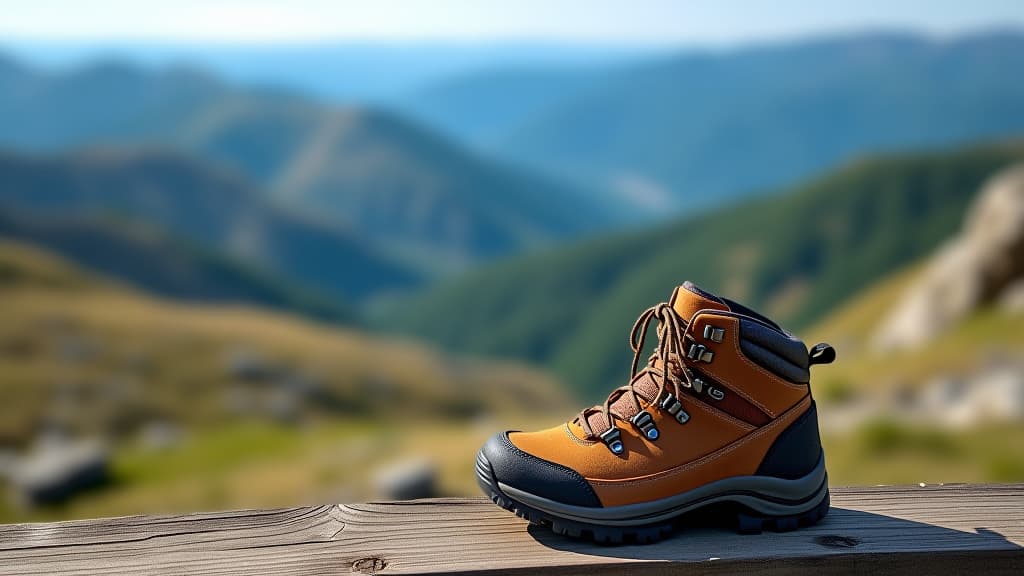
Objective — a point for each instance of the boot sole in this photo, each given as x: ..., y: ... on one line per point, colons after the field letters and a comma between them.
x: 749, y: 504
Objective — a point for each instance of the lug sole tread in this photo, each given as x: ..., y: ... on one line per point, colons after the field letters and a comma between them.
x: 744, y: 520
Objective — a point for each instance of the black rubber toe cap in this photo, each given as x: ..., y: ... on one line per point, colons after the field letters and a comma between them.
x: 513, y: 467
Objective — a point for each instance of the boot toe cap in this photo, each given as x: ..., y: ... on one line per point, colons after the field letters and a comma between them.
x: 507, y: 465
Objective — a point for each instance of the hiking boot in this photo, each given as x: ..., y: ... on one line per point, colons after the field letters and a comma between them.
x: 720, y: 416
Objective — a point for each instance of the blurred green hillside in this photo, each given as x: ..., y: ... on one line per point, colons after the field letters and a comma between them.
x: 869, y: 433
x: 242, y: 296
x: 988, y: 335
x: 795, y: 256
x: 212, y: 406
x: 65, y: 327
x: 241, y: 389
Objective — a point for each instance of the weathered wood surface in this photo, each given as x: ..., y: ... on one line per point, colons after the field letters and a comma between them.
x: 927, y: 530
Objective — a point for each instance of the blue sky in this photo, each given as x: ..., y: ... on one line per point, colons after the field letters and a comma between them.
x: 721, y: 22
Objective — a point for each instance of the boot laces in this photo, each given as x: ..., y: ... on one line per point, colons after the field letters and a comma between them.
x: 667, y: 365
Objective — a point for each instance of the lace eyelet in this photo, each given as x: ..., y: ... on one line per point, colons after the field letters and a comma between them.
x: 645, y: 422
x: 612, y: 438
x: 700, y: 352
x: 714, y: 333
x: 674, y: 407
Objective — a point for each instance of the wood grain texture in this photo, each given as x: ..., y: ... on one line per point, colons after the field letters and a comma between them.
x: 885, y: 530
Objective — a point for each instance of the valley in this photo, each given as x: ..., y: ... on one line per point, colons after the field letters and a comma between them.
x: 225, y: 293
x: 796, y: 256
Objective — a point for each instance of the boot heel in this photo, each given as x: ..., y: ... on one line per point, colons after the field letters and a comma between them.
x: 750, y: 522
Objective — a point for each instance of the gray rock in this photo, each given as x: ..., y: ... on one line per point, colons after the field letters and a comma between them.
x: 1012, y: 299
x: 407, y: 480
x: 56, y: 469
x: 160, y: 435
x: 973, y: 269
x: 249, y: 366
x: 8, y: 459
x: 992, y: 394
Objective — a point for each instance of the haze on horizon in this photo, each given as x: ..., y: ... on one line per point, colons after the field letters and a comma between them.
x: 643, y: 22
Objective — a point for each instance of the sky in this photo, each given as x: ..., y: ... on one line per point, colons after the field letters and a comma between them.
x: 721, y: 22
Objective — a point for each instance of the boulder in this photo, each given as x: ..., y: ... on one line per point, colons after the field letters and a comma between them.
x: 975, y: 268
x: 407, y: 480
x: 56, y: 469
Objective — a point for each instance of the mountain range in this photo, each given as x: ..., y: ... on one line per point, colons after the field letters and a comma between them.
x: 795, y: 256
x: 340, y: 71
x: 160, y: 263
x: 472, y: 167
x: 353, y: 203
x: 244, y: 287
x: 404, y: 189
x: 205, y: 206
x: 691, y: 130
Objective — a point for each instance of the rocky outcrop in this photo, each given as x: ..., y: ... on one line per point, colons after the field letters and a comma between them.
x: 56, y: 469
x: 989, y: 395
x: 407, y: 480
x: 983, y: 264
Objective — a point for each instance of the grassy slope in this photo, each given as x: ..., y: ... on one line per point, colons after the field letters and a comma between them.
x: 892, y: 452
x: 93, y: 357
x: 230, y: 460
x: 59, y: 321
x: 987, y: 334
x: 795, y: 256
x: 264, y: 465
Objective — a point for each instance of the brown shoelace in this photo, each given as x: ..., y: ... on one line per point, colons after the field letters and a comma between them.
x: 668, y: 355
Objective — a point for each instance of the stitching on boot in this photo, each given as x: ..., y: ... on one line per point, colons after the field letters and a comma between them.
x: 671, y: 472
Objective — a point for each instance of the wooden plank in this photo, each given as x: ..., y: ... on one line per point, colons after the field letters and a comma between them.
x: 887, y: 530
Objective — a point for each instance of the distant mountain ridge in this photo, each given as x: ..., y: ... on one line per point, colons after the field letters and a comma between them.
x: 389, y: 181
x: 699, y: 128
x: 484, y: 107
x: 794, y: 256
x: 342, y: 71
x: 209, y: 207
x: 150, y: 259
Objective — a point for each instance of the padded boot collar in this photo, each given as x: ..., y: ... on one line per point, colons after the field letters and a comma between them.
x: 689, y: 298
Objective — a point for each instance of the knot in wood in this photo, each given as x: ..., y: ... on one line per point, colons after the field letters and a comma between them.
x: 369, y: 565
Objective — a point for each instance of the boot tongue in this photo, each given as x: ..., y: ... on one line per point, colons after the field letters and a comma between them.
x: 689, y: 298
x: 686, y: 300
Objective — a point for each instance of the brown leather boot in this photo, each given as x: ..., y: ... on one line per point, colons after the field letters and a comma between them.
x: 721, y: 415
